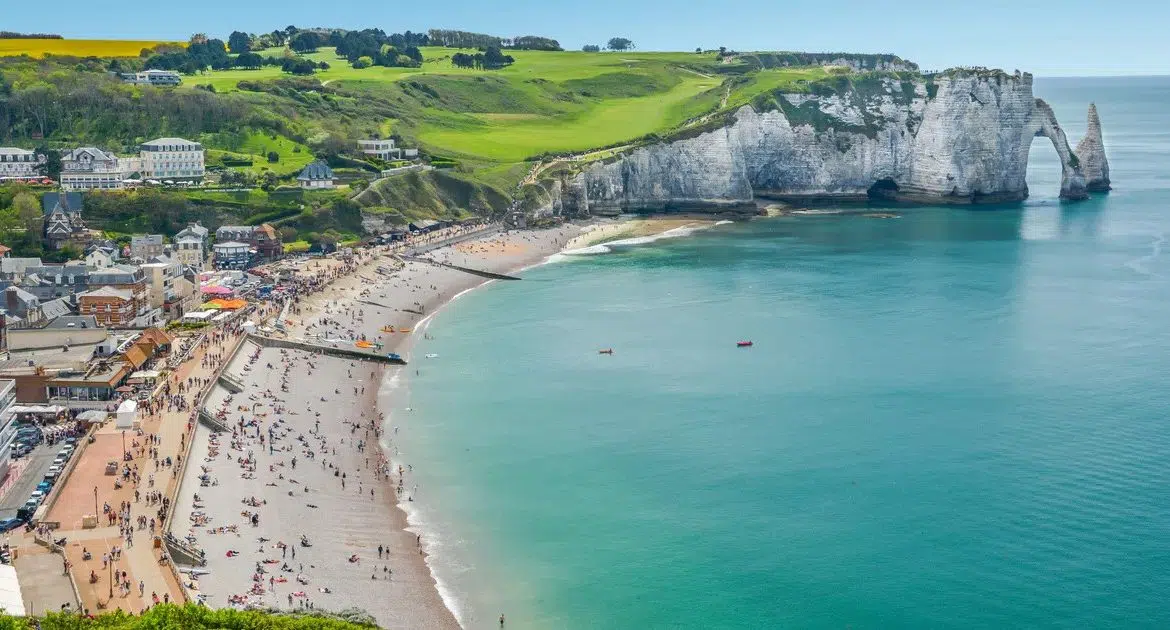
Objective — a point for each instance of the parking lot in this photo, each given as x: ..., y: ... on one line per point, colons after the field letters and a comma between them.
x: 39, y: 461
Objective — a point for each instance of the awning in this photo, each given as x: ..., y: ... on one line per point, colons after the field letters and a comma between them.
x: 215, y: 289
x: 11, y: 601
x: 53, y: 409
x: 220, y: 303
x: 146, y: 374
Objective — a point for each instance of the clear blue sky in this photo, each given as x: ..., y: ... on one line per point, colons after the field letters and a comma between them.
x: 1046, y: 37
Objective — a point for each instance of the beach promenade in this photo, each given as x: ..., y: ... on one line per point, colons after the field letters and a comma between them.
x: 122, y: 551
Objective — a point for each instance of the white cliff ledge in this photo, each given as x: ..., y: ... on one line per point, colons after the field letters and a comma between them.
x: 959, y: 137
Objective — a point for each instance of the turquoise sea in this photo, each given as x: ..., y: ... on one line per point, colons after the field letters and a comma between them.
x: 956, y: 418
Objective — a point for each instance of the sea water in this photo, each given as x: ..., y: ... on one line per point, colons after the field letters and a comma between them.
x: 954, y: 418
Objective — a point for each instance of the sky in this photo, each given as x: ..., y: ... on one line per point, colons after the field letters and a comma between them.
x: 1045, y: 37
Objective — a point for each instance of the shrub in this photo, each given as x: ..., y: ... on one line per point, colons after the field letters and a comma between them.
x: 273, y: 157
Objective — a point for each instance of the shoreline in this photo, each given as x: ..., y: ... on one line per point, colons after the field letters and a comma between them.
x: 392, y: 389
x: 362, y: 300
x: 352, y: 301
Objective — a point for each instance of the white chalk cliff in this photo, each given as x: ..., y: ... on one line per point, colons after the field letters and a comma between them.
x: 959, y: 137
x: 1091, y: 153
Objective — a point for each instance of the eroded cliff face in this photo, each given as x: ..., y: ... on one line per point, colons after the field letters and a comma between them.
x: 960, y: 139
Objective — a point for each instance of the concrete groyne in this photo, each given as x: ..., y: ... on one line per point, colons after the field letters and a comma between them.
x: 318, y: 348
x: 475, y: 272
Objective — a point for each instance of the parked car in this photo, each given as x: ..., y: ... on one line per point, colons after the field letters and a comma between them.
x: 39, y: 495
x: 71, y: 441
x: 45, y: 485
x: 55, y: 468
x: 10, y: 524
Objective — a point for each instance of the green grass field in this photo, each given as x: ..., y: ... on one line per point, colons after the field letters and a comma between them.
x: 75, y: 47
x: 545, y: 102
x: 256, y: 146
x: 611, y: 121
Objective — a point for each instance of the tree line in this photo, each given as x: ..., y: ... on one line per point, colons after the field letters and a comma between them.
x: 481, y: 41
x: 614, y: 43
x: 490, y: 59
x: 94, y: 107
x: 373, y: 47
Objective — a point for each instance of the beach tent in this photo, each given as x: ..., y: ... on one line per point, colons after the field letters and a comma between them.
x: 93, y: 416
x: 127, y: 414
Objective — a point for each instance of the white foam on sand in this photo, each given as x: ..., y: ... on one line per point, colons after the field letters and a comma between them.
x: 419, y: 523
x: 610, y: 246
x: 394, y: 388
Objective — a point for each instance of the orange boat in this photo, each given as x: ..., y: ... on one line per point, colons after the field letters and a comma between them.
x: 403, y: 330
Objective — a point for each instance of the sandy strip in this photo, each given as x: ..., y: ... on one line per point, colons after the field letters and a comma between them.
x: 287, y: 394
x: 633, y: 227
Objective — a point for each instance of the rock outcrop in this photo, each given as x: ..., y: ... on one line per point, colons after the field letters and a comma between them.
x: 1090, y: 152
x: 960, y: 137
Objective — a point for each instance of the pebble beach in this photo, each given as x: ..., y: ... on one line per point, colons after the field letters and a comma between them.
x: 310, y: 455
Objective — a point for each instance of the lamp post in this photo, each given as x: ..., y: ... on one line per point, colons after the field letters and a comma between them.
x: 111, y: 565
x: 95, y: 505
x: 123, y: 444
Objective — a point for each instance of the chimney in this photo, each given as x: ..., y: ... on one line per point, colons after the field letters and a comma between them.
x: 10, y: 301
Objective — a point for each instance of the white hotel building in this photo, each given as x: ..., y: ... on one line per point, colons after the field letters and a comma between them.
x: 90, y: 168
x: 163, y: 160
x: 18, y: 163
x: 173, y: 159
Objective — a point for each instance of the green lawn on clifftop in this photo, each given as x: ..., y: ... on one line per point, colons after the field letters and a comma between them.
x: 546, y: 102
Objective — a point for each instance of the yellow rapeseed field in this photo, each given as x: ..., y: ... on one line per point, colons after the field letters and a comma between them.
x: 74, y: 47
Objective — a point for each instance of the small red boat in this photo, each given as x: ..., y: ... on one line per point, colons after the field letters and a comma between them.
x: 743, y: 344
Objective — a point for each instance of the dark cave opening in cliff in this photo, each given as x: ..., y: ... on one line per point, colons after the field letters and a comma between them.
x: 883, y: 190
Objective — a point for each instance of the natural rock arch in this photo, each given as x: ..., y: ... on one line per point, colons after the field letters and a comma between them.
x: 1072, y: 181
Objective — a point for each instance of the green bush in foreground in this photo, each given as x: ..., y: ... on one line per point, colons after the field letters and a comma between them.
x: 192, y: 617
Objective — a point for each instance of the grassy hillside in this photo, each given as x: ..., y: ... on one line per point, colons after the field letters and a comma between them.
x: 493, y: 127
x: 75, y: 47
x: 546, y: 102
